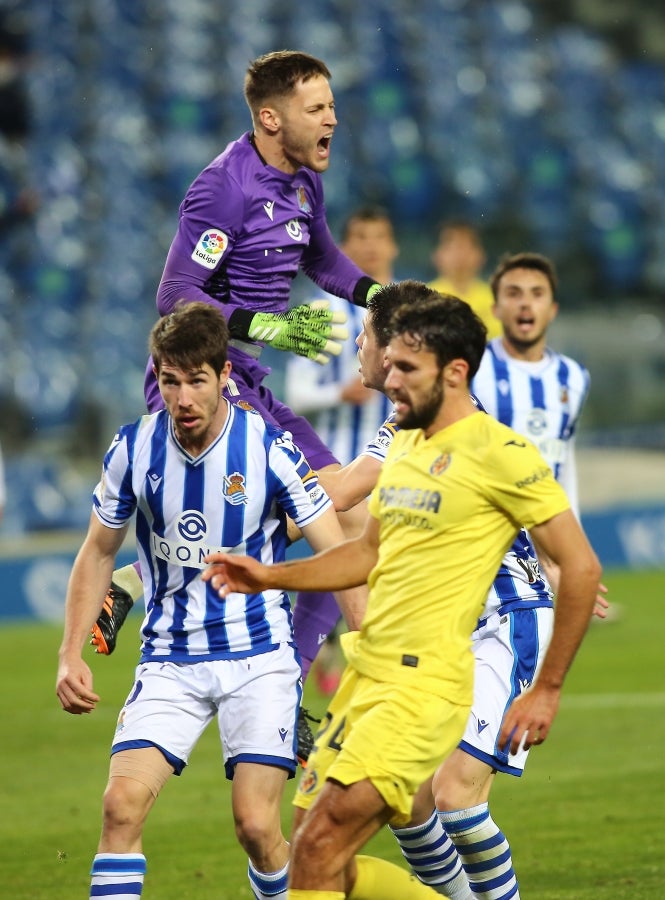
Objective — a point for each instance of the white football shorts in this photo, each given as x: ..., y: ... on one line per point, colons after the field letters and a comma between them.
x: 255, y: 701
x: 508, y: 650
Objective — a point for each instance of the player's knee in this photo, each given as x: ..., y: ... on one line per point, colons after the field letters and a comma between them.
x: 257, y: 832
x: 457, y: 793
x: 124, y: 805
x: 314, y: 839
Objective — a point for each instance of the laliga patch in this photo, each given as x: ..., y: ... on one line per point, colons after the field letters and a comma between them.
x: 210, y: 248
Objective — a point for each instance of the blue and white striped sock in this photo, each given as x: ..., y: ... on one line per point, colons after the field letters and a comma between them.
x: 484, y: 851
x: 268, y: 885
x: 433, y: 858
x: 117, y: 875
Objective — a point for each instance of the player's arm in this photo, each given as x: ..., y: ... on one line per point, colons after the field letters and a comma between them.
x: 302, y: 390
x: 322, y: 534
x: 552, y: 572
x: 330, y: 267
x: 88, y: 583
x: 214, y: 203
x: 563, y: 540
x: 346, y: 487
x: 345, y: 565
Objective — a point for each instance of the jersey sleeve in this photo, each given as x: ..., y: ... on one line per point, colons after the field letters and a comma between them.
x: 378, y: 447
x: 323, y: 261
x: 521, y: 483
x: 210, y: 217
x: 114, y: 501
x: 297, y: 487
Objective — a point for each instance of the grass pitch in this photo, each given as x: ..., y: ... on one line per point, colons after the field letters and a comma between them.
x: 585, y: 821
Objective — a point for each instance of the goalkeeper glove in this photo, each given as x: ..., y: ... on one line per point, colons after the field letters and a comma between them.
x: 312, y: 330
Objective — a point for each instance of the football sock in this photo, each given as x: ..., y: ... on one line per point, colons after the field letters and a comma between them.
x: 129, y: 579
x: 314, y: 617
x: 484, y: 851
x: 433, y: 858
x: 117, y: 875
x: 378, y: 879
x: 268, y: 885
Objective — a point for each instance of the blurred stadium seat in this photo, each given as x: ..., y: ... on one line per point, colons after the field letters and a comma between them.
x: 446, y: 107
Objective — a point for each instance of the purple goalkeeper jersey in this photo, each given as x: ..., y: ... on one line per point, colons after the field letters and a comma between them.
x: 245, y: 229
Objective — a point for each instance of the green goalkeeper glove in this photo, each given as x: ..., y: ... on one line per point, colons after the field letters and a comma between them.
x: 312, y: 330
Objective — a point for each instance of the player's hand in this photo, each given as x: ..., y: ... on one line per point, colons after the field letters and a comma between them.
x: 601, y: 605
x: 74, y: 687
x: 312, y: 330
x: 529, y: 718
x: 234, y: 574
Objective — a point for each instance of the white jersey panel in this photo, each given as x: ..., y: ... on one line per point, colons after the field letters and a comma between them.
x: 541, y: 400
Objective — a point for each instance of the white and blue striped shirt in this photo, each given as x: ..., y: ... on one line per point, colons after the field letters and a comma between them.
x: 235, y: 497
x: 542, y: 400
x: 519, y: 583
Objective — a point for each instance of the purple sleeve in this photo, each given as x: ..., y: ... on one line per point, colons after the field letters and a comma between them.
x: 207, y: 226
x: 325, y: 263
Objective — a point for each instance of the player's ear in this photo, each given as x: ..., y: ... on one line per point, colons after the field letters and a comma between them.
x: 456, y: 373
x: 270, y: 119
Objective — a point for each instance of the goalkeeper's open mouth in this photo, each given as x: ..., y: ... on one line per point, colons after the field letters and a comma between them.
x: 323, y: 147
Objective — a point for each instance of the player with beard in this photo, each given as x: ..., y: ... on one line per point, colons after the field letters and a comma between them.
x: 441, y: 518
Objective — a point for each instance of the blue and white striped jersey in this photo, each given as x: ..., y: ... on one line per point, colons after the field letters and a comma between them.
x: 519, y: 583
x: 314, y: 390
x: 235, y: 497
x: 542, y: 400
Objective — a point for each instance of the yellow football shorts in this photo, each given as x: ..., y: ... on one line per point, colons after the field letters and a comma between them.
x: 383, y: 732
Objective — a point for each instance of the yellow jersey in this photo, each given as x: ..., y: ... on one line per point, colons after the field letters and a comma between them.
x: 449, y: 507
x: 479, y: 297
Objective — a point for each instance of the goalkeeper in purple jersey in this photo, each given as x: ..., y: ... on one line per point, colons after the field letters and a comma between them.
x: 251, y: 220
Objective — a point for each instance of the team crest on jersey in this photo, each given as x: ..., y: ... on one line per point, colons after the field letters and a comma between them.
x: 308, y: 782
x: 234, y: 489
x: 563, y: 395
x: 210, y: 248
x: 303, y: 202
x: 294, y: 230
x: 440, y: 464
x: 536, y: 421
x: 243, y: 404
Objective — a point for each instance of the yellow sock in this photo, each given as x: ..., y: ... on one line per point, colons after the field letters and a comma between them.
x: 128, y: 579
x: 314, y: 895
x: 378, y: 879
